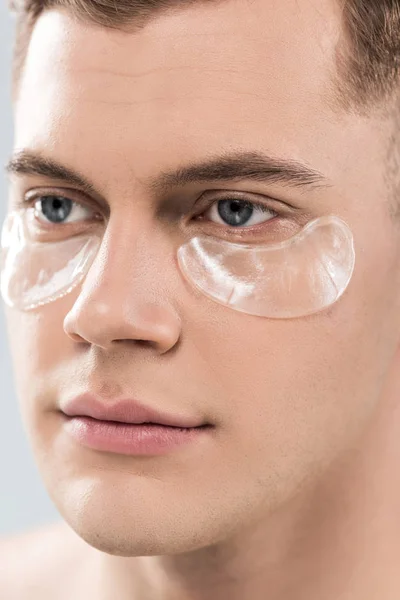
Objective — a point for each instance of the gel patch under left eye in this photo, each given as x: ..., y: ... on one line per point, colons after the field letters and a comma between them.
x: 302, y: 275
x: 34, y: 273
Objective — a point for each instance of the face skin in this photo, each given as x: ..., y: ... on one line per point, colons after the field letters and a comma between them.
x: 249, y: 507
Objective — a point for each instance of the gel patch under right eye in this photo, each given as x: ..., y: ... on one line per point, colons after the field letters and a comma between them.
x: 35, y: 273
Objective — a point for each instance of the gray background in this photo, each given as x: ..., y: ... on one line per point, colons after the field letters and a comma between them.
x: 24, y: 502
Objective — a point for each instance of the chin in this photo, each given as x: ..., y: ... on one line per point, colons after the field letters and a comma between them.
x: 136, y: 520
x: 138, y: 537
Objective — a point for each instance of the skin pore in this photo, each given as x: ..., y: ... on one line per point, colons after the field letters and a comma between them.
x: 294, y: 493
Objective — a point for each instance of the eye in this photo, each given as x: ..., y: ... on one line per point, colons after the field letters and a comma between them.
x: 238, y: 213
x: 56, y: 209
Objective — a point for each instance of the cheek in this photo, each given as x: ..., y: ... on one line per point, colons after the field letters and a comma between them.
x: 39, y: 347
x: 295, y: 392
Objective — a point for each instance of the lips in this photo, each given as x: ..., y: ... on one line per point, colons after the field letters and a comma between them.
x: 125, y: 411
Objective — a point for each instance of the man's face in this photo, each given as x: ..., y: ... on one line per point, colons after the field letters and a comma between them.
x: 286, y: 396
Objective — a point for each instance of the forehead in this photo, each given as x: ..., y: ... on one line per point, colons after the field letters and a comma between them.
x: 210, y: 76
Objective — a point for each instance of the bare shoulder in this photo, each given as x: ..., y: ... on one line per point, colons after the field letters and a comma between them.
x: 40, y: 563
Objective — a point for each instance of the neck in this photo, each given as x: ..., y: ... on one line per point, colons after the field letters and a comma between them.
x: 338, y: 539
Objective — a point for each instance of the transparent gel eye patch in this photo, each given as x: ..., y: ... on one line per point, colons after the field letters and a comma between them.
x: 302, y: 275
x: 35, y: 273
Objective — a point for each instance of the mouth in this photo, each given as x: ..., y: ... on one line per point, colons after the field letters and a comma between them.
x: 135, y: 439
x: 128, y: 427
x: 144, y: 424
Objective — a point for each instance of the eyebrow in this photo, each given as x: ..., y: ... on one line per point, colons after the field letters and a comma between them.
x: 252, y: 166
x: 24, y: 162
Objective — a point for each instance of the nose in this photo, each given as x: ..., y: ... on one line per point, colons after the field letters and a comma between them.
x: 126, y: 296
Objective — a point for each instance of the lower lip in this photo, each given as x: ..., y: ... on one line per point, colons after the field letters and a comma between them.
x: 126, y: 438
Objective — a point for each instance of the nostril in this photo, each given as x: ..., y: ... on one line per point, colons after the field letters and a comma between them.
x: 144, y: 342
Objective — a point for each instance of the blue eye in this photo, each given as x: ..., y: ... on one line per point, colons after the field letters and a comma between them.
x: 238, y: 213
x: 56, y: 209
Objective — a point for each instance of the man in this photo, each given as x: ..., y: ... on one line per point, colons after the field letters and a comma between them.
x: 141, y: 129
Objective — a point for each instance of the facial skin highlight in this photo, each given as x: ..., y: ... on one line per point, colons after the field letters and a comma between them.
x: 289, y: 399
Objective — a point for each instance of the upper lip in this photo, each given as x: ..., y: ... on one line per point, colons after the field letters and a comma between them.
x: 123, y: 411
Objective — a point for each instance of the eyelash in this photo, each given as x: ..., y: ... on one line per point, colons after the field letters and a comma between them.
x: 258, y: 207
